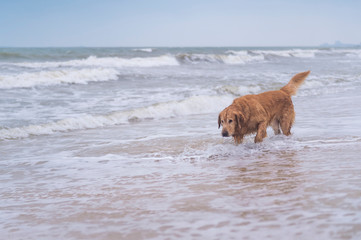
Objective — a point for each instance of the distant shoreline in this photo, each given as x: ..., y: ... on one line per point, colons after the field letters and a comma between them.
x: 339, y: 44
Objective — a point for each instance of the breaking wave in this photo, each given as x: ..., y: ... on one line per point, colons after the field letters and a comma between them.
x: 90, y: 69
x: 297, y: 53
x: 230, y: 57
x: 116, y: 62
x: 189, y: 106
x: 10, y: 55
x: 149, y: 50
x: 73, y: 76
x: 239, y: 90
x: 248, y: 56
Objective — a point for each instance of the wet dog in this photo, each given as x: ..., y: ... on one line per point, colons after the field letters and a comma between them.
x: 254, y: 113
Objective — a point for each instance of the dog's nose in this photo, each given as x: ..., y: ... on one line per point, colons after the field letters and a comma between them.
x: 225, y: 134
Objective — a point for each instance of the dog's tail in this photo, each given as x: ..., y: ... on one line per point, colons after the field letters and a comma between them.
x: 293, y: 85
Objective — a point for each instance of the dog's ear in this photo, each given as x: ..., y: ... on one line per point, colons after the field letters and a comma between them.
x: 239, y: 118
x: 219, y: 120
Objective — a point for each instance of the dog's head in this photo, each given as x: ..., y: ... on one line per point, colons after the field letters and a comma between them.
x: 231, y: 120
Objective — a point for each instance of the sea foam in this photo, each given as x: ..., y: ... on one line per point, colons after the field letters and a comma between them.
x: 189, y: 106
x: 149, y: 50
x: 298, y: 53
x: 92, y: 61
x: 231, y: 57
x: 74, y: 76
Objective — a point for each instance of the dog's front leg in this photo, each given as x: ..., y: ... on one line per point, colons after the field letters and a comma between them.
x: 261, y: 132
x: 238, y: 139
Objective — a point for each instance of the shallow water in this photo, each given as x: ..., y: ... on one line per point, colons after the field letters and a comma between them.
x: 140, y: 157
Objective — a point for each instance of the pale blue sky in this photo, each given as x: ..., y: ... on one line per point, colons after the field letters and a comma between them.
x: 43, y: 23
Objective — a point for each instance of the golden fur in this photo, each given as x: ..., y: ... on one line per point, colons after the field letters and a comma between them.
x: 254, y: 113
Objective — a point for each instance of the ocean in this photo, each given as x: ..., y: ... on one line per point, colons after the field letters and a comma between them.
x: 123, y: 143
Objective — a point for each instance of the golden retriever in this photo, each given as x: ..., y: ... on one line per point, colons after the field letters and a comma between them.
x: 254, y: 113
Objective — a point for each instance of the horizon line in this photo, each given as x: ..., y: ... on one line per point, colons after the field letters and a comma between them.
x: 190, y: 46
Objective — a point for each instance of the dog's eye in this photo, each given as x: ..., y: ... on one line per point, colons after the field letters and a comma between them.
x: 222, y: 121
x: 230, y: 121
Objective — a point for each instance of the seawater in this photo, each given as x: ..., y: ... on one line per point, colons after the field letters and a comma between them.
x: 122, y: 143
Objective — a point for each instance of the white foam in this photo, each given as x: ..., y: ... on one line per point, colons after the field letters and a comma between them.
x: 232, y: 57
x: 299, y: 53
x: 241, y: 58
x: 143, y: 50
x: 303, y: 53
x: 110, y: 62
x: 327, y: 84
x: 239, y: 90
x: 189, y: 106
x: 225, y: 148
x: 78, y: 76
x: 347, y: 52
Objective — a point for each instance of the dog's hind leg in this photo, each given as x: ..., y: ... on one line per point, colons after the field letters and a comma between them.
x: 286, y: 122
x: 275, y: 124
x: 261, y: 132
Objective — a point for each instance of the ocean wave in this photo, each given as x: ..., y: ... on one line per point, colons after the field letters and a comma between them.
x: 345, y: 52
x: 149, y: 50
x: 297, y: 53
x: 245, y: 56
x: 74, y: 76
x: 192, y: 105
x: 239, y: 90
x: 306, y: 53
x: 115, y: 62
x: 231, y: 57
x: 9, y: 55
x: 228, y: 57
x: 328, y: 84
x: 314, y: 85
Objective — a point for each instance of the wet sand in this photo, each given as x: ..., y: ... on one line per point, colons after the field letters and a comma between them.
x: 264, y: 191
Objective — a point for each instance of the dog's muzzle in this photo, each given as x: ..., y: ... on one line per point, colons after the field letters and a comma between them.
x: 225, y: 134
